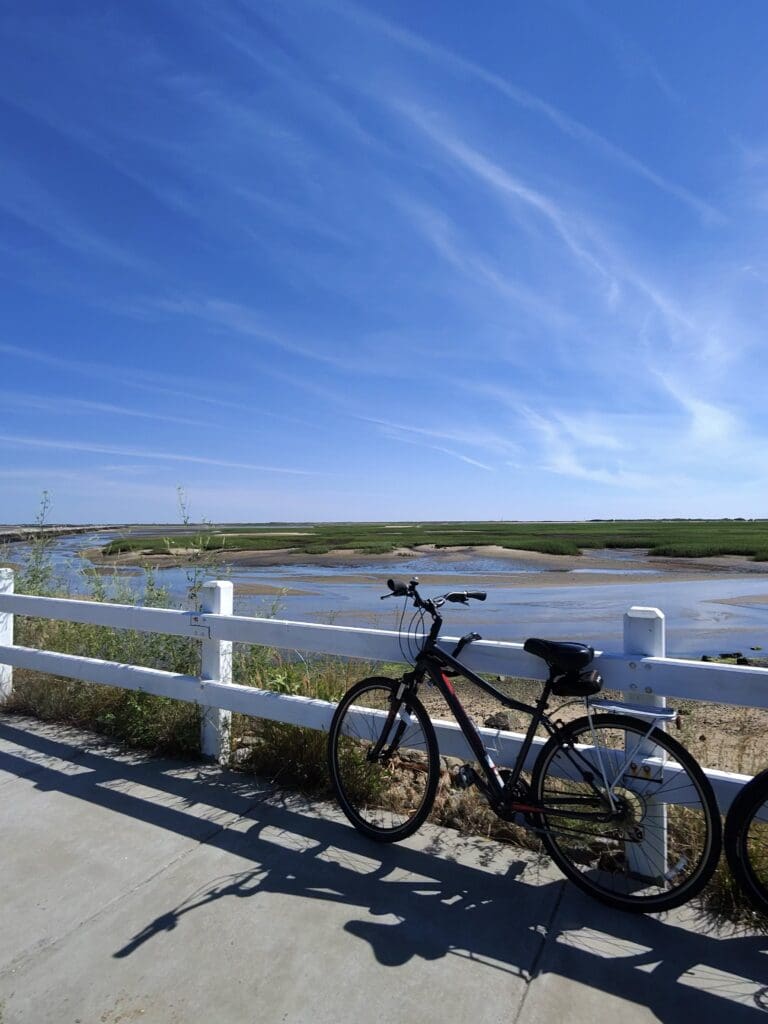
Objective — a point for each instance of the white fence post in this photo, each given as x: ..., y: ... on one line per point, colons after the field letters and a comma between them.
x: 6, y: 635
x: 645, y: 636
x: 216, y: 598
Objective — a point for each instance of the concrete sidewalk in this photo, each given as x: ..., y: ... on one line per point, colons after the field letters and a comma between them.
x: 143, y: 889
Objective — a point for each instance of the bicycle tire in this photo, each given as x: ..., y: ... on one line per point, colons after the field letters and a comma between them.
x: 746, y: 841
x: 625, y: 863
x: 390, y: 798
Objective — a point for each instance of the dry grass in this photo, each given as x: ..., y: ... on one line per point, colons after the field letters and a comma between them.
x: 136, y: 719
x: 723, y: 736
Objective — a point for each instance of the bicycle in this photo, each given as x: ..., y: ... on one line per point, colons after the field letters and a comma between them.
x: 746, y: 840
x: 597, y: 794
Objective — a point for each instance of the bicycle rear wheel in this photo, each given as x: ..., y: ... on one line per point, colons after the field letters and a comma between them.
x: 603, y: 782
x: 746, y: 840
x: 383, y: 759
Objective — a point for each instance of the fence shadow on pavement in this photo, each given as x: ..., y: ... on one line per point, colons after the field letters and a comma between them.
x: 451, y: 897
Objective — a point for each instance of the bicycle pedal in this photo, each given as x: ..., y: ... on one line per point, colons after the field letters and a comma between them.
x: 464, y: 777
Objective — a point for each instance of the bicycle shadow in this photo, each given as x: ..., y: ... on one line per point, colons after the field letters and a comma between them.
x: 487, y: 903
x: 506, y: 921
x: 430, y: 906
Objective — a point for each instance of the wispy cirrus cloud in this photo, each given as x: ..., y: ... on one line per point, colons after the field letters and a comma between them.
x: 559, y: 452
x: 509, y: 187
x: 61, y: 405
x: 350, y: 355
x: 470, y: 263
x: 685, y: 328
x: 140, y: 453
x: 246, y: 32
x: 28, y: 201
x: 405, y: 438
x: 169, y: 386
x: 472, y: 436
x: 522, y: 98
x: 629, y: 56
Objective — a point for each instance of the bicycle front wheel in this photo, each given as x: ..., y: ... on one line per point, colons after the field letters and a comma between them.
x: 383, y: 759
x: 628, y: 815
x: 746, y: 840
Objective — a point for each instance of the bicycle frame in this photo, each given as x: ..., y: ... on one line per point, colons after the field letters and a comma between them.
x: 433, y: 664
x: 436, y: 664
x: 500, y: 792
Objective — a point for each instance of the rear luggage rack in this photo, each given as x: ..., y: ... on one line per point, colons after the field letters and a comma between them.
x: 648, y: 711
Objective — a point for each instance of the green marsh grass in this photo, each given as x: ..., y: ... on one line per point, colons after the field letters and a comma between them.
x: 662, y: 538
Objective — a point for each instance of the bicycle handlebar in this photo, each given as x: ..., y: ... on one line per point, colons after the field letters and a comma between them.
x: 399, y: 588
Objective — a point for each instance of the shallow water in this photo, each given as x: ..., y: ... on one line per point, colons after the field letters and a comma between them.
x: 697, y: 622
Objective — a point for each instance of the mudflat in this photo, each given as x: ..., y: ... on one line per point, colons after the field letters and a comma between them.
x: 587, y: 569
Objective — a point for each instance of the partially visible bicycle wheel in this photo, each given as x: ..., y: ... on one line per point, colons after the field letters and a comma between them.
x: 746, y: 840
x: 603, y: 783
x: 383, y: 760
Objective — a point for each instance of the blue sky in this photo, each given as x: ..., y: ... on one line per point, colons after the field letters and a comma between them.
x: 315, y: 259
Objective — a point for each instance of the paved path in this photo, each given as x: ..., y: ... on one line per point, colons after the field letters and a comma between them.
x: 141, y: 889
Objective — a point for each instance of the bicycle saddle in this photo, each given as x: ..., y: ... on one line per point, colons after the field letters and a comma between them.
x: 560, y: 656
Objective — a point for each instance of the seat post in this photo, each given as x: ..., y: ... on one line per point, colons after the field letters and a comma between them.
x: 546, y: 693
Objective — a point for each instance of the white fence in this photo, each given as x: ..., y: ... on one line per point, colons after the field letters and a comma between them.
x: 641, y: 671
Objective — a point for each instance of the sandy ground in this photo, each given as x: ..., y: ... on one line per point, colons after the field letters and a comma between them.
x: 744, y: 602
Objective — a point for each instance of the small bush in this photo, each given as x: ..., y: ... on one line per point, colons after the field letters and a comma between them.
x: 290, y: 756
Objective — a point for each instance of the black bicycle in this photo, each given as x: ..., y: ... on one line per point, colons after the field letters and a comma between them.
x: 746, y: 840
x: 621, y: 807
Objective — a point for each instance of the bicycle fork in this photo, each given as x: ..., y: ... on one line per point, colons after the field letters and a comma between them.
x: 398, y: 709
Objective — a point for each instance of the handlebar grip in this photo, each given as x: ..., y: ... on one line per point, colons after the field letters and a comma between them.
x: 462, y: 596
x: 398, y: 588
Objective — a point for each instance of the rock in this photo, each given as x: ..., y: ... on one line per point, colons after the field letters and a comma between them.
x: 450, y: 764
x: 498, y: 720
x: 743, y: 661
x: 241, y: 755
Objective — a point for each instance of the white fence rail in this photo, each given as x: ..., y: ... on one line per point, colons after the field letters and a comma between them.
x: 641, y: 671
